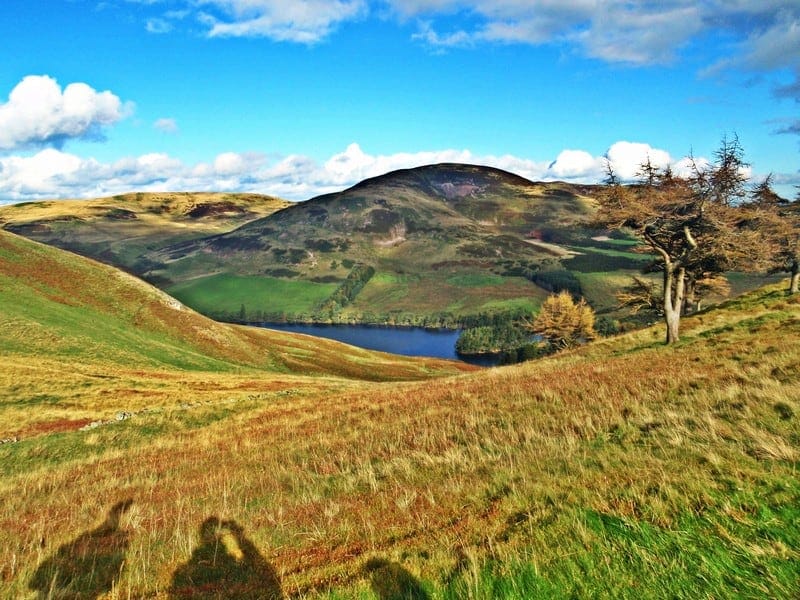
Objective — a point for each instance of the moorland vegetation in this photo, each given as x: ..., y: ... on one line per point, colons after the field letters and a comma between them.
x: 625, y: 468
x: 149, y: 451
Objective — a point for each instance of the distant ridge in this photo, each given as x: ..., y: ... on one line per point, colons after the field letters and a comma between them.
x: 447, y: 242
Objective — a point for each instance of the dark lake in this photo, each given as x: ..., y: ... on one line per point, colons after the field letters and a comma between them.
x: 408, y: 341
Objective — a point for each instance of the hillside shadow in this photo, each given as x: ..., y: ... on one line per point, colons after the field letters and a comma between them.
x: 88, y: 566
x: 391, y: 581
x: 217, y: 570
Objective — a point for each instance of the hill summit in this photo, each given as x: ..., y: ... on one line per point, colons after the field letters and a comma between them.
x: 430, y: 245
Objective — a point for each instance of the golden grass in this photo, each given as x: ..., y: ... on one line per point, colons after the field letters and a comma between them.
x: 157, y: 211
x: 439, y: 475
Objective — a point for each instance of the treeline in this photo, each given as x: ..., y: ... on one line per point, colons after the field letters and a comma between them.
x: 493, y: 338
x: 442, y: 320
x: 556, y: 281
x: 348, y: 289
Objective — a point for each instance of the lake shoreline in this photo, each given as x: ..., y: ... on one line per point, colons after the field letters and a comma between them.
x: 430, y: 342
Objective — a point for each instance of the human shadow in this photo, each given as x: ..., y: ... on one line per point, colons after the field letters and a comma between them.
x: 88, y: 566
x: 390, y: 581
x: 216, y: 571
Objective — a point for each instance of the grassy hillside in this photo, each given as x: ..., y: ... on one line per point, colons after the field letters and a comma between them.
x: 81, y: 340
x: 445, y: 241
x: 625, y: 469
x: 121, y: 229
x: 439, y: 245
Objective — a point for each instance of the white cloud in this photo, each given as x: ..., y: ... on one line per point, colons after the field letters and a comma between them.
x: 614, y: 31
x: 763, y: 34
x: 685, y: 167
x: 166, y: 125
x: 636, y: 35
x: 620, y: 31
x: 627, y: 157
x: 575, y: 163
x: 303, y: 21
x: 38, y: 112
x: 52, y: 173
x: 353, y: 165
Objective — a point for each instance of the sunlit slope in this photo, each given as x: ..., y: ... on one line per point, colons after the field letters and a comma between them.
x: 626, y: 469
x: 69, y: 325
x: 118, y: 230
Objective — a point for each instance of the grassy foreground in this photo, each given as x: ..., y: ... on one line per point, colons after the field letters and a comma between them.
x: 623, y: 470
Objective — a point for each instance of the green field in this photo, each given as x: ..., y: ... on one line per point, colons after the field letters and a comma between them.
x: 456, y: 293
x: 225, y: 295
x: 472, y: 280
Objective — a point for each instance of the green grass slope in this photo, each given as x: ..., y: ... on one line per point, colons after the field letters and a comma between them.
x: 625, y: 469
x: 76, y: 334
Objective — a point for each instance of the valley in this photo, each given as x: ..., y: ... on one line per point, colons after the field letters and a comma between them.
x: 138, y: 437
x: 623, y: 462
x: 448, y: 244
x: 399, y: 300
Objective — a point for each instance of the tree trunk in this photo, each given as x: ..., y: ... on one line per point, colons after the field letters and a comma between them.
x: 673, y: 300
x: 689, y: 304
x: 673, y: 320
x: 794, y: 282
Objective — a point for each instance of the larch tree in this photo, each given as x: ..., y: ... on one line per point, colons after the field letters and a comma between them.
x: 563, y: 322
x: 695, y: 226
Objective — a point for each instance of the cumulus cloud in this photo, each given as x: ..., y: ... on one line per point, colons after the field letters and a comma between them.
x: 166, y: 125
x: 354, y: 165
x: 39, y: 113
x: 574, y: 163
x: 303, y: 21
x: 52, y: 173
x: 627, y: 157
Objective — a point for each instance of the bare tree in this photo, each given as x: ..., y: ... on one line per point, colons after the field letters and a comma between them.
x: 727, y: 179
x: 696, y: 226
x: 780, y: 219
x: 641, y: 295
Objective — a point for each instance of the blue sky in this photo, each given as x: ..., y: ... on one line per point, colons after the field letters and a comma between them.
x: 99, y: 97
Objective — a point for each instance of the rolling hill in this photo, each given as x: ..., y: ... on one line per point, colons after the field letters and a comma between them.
x: 435, y: 245
x: 83, y: 339
x: 441, y: 245
x: 430, y: 245
x: 119, y: 230
x: 143, y: 439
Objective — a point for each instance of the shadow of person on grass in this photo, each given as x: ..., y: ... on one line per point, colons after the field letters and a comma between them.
x: 88, y: 566
x: 218, y: 571
x: 390, y: 581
